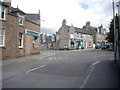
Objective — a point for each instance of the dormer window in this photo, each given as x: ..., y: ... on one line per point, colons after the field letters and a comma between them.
x: 21, y: 20
x: 2, y: 13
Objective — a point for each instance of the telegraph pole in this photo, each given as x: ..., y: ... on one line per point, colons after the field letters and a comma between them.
x: 114, y: 33
x: 119, y: 33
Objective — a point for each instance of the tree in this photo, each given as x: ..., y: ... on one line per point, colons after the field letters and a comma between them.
x: 111, y: 28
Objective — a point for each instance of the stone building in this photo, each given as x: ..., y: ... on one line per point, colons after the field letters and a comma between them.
x: 19, y: 32
x: 71, y: 37
x: 99, y: 34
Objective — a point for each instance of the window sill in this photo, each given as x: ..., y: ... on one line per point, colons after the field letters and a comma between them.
x: 2, y: 46
x: 3, y: 20
x: 21, y: 25
x: 20, y: 47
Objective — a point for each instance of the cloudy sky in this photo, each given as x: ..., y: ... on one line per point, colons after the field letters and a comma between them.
x: 76, y: 12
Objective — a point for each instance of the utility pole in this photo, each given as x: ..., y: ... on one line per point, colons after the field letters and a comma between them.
x: 119, y: 33
x: 114, y: 32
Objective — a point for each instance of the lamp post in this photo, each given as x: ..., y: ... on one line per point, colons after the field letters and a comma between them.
x: 114, y: 32
x: 118, y: 43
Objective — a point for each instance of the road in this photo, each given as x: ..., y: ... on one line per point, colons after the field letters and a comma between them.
x: 64, y: 69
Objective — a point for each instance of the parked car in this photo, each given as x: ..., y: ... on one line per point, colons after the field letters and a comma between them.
x: 65, y: 47
x: 104, y: 47
x: 97, y: 47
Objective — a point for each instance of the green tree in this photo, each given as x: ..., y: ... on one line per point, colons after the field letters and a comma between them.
x: 111, y: 28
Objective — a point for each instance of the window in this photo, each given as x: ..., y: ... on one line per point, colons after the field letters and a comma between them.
x: 71, y: 35
x: 35, y: 41
x: 77, y: 34
x: 81, y: 35
x: 2, y: 13
x: 89, y: 43
x: 2, y: 37
x: 21, y: 20
x: 20, y: 40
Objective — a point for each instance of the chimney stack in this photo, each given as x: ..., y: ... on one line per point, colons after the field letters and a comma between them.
x: 64, y: 22
x: 7, y: 2
x: 88, y: 23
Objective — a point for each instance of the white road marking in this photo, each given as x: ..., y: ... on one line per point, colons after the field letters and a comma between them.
x: 95, y: 63
x: 42, y: 66
x: 35, y: 69
x: 89, y: 74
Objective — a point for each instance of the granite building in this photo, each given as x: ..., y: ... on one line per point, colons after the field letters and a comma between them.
x: 71, y: 37
x: 19, y: 32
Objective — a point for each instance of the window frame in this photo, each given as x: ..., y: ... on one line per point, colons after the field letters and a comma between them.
x: 2, y: 9
x: 20, y: 38
x: 3, y: 38
x: 21, y: 17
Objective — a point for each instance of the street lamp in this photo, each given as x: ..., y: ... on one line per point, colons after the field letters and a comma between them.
x: 118, y: 43
x: 114, y: 32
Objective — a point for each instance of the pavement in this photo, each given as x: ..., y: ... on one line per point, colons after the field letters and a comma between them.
x: 43, y: 54
x: 104, y: 75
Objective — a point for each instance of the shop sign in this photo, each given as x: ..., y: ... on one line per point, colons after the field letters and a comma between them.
x: 31, y: 32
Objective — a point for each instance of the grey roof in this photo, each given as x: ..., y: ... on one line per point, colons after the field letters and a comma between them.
x: 15, y: 10
x: 3, y: 3
x: 32, y: 16
x: 80, y: 30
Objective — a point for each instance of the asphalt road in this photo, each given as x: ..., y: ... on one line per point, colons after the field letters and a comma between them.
x: 66, y: 69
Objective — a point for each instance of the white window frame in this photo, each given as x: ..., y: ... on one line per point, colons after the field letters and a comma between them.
x: 71, y: 35
x: 21, y: 17
x: 2, y: 9
x: 20, y: 38
x: 90, y: 44
x: 3, y: 38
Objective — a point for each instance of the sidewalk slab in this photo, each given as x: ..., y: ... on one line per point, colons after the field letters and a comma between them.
x: 101, y: 76
x: 43, y: 54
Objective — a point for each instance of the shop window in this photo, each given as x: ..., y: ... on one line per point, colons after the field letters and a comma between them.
x: 35, y: 41
x: 21, y: 20
x: 20, y: 40
x: 72, y: 44
x: 2, y: 13
x: 2, y: 37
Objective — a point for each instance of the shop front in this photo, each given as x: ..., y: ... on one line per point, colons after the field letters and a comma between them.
x: 79, y: 44
x: 76, y: 44
x: 32, y: 42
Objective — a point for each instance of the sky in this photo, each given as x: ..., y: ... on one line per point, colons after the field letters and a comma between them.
x: 76, y: 12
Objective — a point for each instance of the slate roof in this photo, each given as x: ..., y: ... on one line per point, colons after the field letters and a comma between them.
x: 80, y: 30
x: 3, y: 3
x: 15, y: 10
x: 28, y: 17
x: 32, y: 16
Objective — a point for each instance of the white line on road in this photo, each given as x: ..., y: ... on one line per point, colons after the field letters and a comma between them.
x: 42, y: 66
x: 89, y: 74
x: 95, y: 63
x: 35, y: 69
